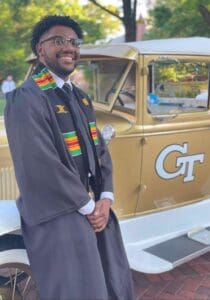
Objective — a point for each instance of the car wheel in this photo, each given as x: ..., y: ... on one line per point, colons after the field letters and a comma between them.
x: 16, y: 282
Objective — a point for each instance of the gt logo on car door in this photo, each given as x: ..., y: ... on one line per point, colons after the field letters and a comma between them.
x: 184, y: 163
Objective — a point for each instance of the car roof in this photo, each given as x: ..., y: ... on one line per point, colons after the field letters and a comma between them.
x: 179, y: 46
x: 182, y: 46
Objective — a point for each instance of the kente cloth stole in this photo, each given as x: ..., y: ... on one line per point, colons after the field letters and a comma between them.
x: 45, y: 82
x: 81, y: 127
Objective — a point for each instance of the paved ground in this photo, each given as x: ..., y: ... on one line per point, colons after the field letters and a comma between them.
x: 190, y: 281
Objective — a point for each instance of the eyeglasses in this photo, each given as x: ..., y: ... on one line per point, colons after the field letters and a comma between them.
x: 59, y: 41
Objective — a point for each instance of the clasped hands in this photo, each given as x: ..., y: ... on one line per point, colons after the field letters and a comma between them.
x: 100, y: 216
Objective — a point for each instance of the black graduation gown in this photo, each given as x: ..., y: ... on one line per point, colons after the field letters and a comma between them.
x: 68, y: 260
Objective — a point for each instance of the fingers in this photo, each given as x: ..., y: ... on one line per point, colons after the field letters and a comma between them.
x: 99, y: 218
x: 99, y: 223
x: 99, y: 229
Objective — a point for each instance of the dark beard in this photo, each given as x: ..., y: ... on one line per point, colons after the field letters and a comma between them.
x: 60, y: 72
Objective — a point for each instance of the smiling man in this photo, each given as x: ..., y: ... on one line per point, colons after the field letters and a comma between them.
x: 64, y: 174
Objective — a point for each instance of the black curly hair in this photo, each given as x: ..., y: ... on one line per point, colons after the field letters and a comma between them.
x: 50, y: 21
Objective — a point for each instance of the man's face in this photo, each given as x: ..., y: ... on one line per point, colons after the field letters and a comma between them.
x: 60, y: 59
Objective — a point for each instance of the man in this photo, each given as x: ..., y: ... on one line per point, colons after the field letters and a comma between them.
x: 8, y: 85
x: 64, y: 174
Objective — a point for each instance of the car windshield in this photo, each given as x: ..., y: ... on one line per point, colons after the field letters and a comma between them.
x: 108, y: 82
x: 176, y: 86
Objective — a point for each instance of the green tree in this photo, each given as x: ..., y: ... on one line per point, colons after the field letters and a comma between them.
x: 19, y: 16
x: 205, y: 13
x: 177, y: 19
x: 128, y: 18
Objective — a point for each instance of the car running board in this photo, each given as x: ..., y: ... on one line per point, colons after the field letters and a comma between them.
x: 160, y: 242
x: 167, y: 255
x: 178, y: 250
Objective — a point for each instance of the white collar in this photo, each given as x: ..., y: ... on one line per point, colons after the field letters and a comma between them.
x: 59, y: 81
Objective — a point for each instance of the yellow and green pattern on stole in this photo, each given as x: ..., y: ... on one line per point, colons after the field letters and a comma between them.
x: 93, y: 131
x: 72, y: 141
x: 44, y: 80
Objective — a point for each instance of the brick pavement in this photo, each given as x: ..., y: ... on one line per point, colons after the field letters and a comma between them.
x: 190, y: 281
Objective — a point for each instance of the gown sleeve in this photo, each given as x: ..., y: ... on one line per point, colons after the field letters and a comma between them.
x: 49, y: 185
x: 106, y: 165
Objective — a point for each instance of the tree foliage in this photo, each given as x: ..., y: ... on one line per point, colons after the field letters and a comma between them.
x: 181, y: 18
x: 205, y: 13
x: 19, y: 16
x: 128, y: 18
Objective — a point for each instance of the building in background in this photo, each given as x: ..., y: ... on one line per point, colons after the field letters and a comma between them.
x: 143, y: 8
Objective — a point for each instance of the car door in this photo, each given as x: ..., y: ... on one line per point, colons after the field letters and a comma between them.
x: 176, y: 122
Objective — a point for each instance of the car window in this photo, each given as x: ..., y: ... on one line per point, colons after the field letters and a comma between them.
x: 106, y: 80
x: 126, y: 99
x: 179, y: 87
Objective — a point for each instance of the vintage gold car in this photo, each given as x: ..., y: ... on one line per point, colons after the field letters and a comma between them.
x: 152, y: 106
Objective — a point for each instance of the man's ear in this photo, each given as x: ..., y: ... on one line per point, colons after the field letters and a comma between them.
x: 39, y: 49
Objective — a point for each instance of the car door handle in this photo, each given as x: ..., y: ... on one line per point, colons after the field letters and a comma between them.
x: 164, y: 117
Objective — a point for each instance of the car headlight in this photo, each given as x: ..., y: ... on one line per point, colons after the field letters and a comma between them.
x: 108, y: 132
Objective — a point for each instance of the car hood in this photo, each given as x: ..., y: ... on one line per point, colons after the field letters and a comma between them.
x: 121, y: 123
